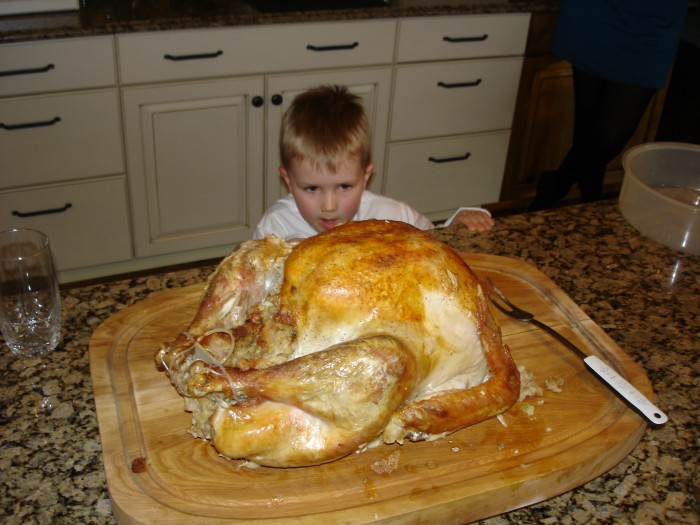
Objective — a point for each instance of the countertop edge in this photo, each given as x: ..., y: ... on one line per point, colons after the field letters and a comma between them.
x: 85, y: 23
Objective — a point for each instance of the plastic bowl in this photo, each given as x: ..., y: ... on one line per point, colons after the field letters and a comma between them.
x: 660, y: 193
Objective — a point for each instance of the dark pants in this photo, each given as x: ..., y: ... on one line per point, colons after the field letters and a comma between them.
x: 606, y: 114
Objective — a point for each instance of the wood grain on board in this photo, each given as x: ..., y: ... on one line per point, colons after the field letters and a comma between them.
x: 157, y: 473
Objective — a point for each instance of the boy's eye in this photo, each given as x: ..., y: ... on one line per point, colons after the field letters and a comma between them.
x: 310, y: 188
x: 345, y: 186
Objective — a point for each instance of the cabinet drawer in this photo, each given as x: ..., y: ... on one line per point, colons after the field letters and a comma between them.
x: 442, y: 175
x: 451, y: 98
x: 61, y: 137
x: 87, y: 222
x: 470, y: 36
x: 177, y: 55
x: 36, y: 67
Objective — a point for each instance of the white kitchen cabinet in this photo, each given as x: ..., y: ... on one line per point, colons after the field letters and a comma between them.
x: 87, y: 222
x: 192, y: 54
x: 202, y: 157
x: 57, y: 65
x: 451, y: 98
x: 455, y: 89
x: 61, y: 154
x: 167, y: 141
x: 51, y: 138
x: 195, y: 164
x: 450, y: 172
x: 425, y: 39
x: 373, y: 85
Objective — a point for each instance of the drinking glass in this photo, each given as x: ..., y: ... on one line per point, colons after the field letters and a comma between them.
x: 30, y: 303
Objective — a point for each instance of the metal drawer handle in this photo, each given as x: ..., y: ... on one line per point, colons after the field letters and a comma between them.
x: 196, y: 56
x: 29, y: 71
x: 458, y: 39
x: 450, y: 159
x: 41, y: 212
x: 340, y: 47
x: 448, y: 85
x: 25, y: 125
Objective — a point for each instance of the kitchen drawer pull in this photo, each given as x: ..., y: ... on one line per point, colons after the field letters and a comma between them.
x: 454, y: 40
x: 450, y: 159
x: 50, y: 211
x: 25, y: 125
x: 197, y: 56
x: 448, y: 85
x: 30, y: 71
x: 340, y: 47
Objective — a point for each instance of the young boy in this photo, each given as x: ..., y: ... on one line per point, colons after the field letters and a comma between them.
x: 325, y: 153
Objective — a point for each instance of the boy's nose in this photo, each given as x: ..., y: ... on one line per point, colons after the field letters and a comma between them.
x: 328, y: 202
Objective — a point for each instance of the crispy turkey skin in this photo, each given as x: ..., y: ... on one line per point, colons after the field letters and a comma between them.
x: 372, y: 331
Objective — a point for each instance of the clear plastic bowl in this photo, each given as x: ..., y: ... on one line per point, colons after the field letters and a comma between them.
x: 660, y: 193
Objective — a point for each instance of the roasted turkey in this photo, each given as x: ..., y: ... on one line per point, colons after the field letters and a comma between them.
x: 302, y: 353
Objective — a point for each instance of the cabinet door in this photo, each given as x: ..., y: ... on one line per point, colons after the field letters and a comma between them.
x: 87, y: 221
x: 547, y: 113
x: 425, y: 38
x: 60, y: 137
x: 437, y: 176
x: 194, y: 154
x: 449, y: 98
x: 373, y: 85
x: 157, y: 56
x: 57, y: 65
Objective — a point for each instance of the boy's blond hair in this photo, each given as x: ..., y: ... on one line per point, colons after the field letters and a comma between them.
x: 324, y: 126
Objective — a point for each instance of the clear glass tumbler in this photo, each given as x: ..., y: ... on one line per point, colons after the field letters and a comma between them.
x: 30, y: 302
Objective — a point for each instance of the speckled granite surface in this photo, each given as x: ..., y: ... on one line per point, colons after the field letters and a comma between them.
x: 644, y: 295
x: 99, y: 17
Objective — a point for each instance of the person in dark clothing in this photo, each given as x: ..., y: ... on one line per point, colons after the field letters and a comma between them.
x: 621, y: 52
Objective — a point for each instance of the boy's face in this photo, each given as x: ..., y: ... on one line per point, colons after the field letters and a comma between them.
x: 326, y: 199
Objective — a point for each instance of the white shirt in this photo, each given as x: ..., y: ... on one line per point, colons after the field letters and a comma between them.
x: 284, y: 220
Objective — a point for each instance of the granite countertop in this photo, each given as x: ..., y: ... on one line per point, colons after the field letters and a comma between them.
x: 100, y: 17
x: 645, y: 296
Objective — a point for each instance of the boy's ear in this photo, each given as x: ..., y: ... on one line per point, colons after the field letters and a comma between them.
x: 285, y: 177
x: 368, y: 173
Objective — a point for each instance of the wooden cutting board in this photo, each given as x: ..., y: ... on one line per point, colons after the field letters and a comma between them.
x: 158, y: 474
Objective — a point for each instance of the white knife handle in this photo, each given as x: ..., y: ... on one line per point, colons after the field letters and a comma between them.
x: 626, y: 390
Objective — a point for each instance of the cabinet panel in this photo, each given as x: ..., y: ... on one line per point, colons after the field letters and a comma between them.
x: 372, y: 85
x: 454, y: 97
x: 176, y: 55
x: 195, y: 164
x: 332, y: 45
x: 543, y: 122
x: 89, y: 224
x: 60, y: 137
x: 452, y: 37
x: 552, y: 110
x: 441, y: 175
x: 35, y: 67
